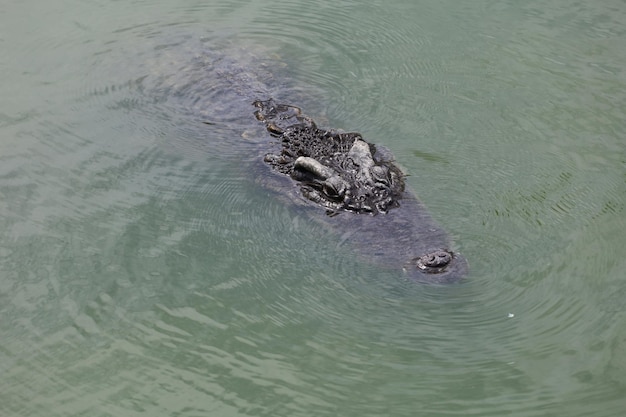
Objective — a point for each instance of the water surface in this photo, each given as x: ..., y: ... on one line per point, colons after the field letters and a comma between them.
x: 143, y: 271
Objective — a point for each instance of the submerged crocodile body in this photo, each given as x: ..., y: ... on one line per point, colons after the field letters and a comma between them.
x: 344, y: 182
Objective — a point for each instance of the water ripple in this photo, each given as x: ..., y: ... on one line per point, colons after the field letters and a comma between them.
x: 144, y: 272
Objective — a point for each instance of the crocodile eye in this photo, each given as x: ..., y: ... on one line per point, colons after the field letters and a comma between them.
x: 329, y: 189
x: 334, y: 187
x: 380, y: 174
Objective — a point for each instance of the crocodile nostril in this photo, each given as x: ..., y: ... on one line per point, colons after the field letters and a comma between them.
x: 434, y: 262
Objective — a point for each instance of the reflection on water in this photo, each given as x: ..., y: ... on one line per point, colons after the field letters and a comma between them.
x: 144, y: 271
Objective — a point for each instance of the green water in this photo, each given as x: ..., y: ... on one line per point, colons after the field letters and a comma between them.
x: 143, y: 272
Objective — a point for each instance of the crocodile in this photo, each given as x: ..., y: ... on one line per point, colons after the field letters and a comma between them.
x: 346, y: 183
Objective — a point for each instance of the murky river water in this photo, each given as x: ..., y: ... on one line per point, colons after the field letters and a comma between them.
x: 143, y: 271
